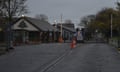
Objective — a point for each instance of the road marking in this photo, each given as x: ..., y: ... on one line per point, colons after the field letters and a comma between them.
x: 53, y: 63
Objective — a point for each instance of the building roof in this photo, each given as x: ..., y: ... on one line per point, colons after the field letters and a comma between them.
x: 69, y: 25
x: 39, y: 24
x: 67, y: 28
x: 4, y: 23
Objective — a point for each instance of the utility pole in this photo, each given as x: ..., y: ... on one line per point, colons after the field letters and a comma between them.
x: 55, y: 22
x: 60, y: 38
x: 61, y: 24
x: 111, y: 26
x: 9, y: 29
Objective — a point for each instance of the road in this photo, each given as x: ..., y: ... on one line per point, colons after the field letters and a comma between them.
x: 89, y: 58
x: 31, y: 58
x: 56, y: 57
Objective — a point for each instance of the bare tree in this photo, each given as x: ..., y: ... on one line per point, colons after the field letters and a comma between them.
x: 42, y: 17
x: 118, y: 5
x: 10, y: 8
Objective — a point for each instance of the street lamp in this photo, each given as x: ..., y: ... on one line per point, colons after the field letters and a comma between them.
x: 23, y: 15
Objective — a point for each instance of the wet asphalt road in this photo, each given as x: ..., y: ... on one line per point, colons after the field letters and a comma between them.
x: 31, y: 58
x: 55, y: 57
x: 89, y: 58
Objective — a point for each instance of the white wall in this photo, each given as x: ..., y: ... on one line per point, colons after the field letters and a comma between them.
x: 29, y: 26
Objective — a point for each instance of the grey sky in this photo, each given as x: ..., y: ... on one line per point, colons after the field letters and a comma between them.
x: 71, y: 9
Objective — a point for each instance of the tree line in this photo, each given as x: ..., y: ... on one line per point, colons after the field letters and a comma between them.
x: 103, y: 20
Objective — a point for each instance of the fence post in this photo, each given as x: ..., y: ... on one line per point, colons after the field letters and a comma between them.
x: 118, y: 45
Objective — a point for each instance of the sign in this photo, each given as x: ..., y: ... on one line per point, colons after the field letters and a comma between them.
x: 0, y: 29
x: 79, y: 35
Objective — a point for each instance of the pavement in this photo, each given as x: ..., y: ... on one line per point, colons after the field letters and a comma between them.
x: 94, y: 57
x: 58, y: 57
x: 31, y: 58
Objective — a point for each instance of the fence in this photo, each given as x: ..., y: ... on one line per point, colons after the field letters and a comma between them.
x: 115, y: 42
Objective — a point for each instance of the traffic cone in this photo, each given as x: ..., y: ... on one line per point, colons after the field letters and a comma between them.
x: 60, y: 39
x: 73, y: 44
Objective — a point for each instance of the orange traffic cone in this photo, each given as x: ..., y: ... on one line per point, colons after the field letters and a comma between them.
x: 60, y: 39
x: 73, y: 44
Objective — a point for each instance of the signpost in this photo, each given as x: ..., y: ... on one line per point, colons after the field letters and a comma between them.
x: 0, y: 29
x: 79, y: 36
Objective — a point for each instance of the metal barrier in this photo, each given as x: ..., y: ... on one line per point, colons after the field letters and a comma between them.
x: 115, y: 42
